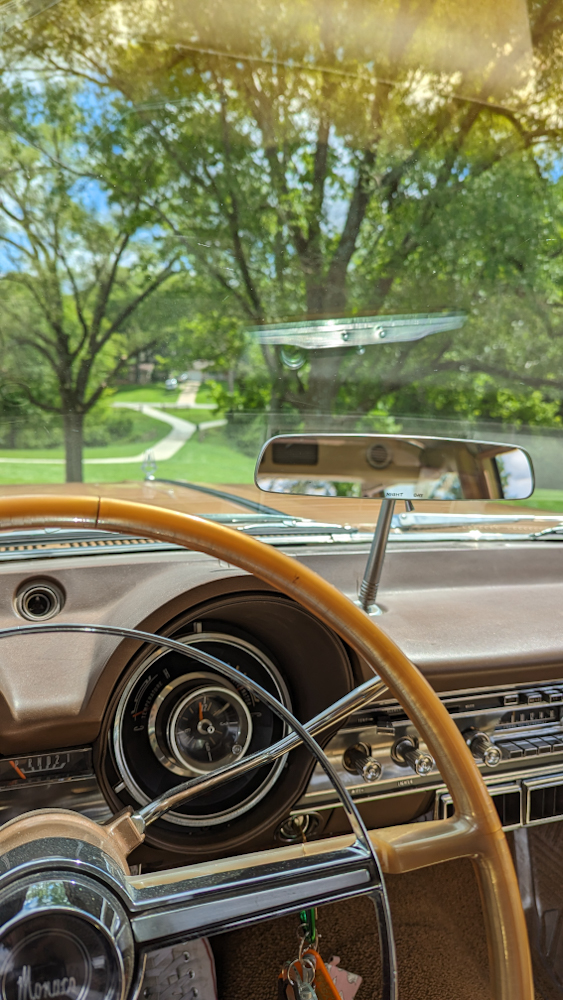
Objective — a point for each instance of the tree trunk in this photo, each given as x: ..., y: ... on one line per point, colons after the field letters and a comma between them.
x: 73, y: 432
x: 323, y: 387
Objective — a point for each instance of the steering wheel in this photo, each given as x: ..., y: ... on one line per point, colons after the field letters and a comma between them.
x: 89, y: 860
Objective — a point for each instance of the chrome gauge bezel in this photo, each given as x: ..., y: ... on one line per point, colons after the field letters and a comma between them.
x: 129, y: 782
x: 160, y: 752
x: 234, y: 697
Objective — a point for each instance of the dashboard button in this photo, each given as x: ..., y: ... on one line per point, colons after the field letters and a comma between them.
x: 511, y: 699
x: 534, y: 697
x: 511, y: 750
x: 542, y: 745
x: 529, y: 749
x: 556, y: 743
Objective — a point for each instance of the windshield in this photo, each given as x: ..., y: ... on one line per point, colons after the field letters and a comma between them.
x: 223, y: 221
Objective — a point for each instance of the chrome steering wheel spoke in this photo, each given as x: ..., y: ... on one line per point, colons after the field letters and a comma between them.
x: 218, y: 896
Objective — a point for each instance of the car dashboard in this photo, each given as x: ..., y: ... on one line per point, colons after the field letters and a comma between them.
x: 96, y: 722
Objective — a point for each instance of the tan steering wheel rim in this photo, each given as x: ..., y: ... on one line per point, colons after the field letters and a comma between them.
x: 474, y: 831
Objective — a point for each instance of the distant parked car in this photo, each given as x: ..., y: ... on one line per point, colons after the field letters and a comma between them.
x: 184, y: 377
x: 171, y: 384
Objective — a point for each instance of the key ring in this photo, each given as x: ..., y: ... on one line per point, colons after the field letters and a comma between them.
x: 304, y: 985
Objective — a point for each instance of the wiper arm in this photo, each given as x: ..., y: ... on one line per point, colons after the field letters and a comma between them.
x: 290, y: 527
x: 258, y: 508
x: 557, y: 529
x: 412, y: 521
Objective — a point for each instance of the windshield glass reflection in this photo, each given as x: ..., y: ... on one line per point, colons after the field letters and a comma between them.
x: 224, y: 221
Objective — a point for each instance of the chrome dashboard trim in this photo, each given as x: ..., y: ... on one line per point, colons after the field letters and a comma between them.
x: 81, y: 794
x: 397, y: 780
x: 232, y: 898
x: 262, y: 903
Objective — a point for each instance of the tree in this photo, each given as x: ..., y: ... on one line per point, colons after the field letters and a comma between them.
x: 344, y: 190
x: 327, y: 166
x: 76, y: 268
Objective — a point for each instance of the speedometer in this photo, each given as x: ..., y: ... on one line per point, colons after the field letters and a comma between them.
x: 175, y: 720
x: 209, y: 728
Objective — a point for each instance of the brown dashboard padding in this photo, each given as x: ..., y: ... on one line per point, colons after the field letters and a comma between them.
x: 475, y: 829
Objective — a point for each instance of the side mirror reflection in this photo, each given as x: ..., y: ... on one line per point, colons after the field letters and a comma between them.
x: 400, y: 467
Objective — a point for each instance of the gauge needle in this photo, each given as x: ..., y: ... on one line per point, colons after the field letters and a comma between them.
x: 200, y: 711
x: 18, y: 770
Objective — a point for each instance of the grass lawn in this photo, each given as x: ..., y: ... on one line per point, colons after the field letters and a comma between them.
x: 213, y: 460
x: 24, y: 474
x: 204, y: 394
x: 104, y: 451
x: 196, y: 416
x: 548, y: 500
x: 145, y: 394
x: 145, y: 432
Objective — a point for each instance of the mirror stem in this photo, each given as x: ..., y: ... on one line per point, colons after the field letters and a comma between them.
x: 374, y: 565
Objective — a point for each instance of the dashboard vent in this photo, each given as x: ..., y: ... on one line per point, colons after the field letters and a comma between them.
x: 508, y: 806
x: 507, y: 800
x: 544, y: 799
x: 62, y: 544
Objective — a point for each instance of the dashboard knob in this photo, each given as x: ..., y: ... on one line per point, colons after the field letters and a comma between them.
x: 483, y: 749
x: 357, y: 760
x: 405, y: 752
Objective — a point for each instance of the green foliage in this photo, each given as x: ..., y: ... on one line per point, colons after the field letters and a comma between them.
x: 21, y: 426
x: 104, y: 426
x: 378, y: 421
x: 211, y: 335
x: 245, y: 408
x: 166, y: 204
x: 251, y: 392
x: 474, y: 397
x: 247, y: 432
x: 77, y: 264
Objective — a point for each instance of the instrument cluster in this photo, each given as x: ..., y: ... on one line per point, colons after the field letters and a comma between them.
x: 175, y: 721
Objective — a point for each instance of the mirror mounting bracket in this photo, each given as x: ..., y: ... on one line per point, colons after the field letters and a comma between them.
x: 374, y: 565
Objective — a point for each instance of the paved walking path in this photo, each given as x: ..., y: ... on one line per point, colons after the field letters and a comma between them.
x: 167, y: 447
x: 187, y: 399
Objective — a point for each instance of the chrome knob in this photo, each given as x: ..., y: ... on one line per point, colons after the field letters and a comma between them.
x: 358, y: 761
x: 405, y: 752
x: 483, y: 749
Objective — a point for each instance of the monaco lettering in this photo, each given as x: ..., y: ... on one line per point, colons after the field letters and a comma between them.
x: 28, y: 990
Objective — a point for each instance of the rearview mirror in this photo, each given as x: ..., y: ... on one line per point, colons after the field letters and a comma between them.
x: 398, y: 466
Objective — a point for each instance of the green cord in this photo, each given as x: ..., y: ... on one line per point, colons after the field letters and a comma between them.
x: 308, y: 919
